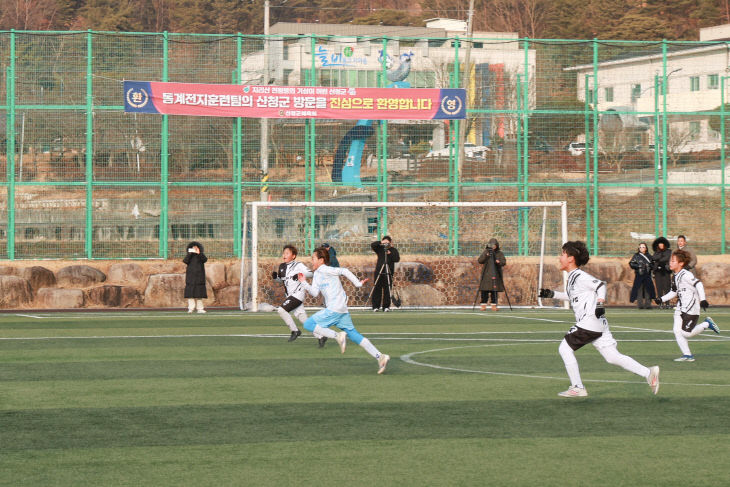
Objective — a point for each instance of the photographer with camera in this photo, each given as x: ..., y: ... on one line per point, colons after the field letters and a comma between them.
x: 491, y: 282
x: 643, y: 289
x: 195, y: 290
x: 384, y: 268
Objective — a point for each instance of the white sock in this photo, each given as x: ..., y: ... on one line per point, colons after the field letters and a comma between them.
x: 300, y: 314
x: 571, y: 363
x: 199, y: 304
x: 191, y: 304
x: 370, y: 348
x: 614, y: 357
x: 287, y: 318
x: 323, y: 332
x: 697, y: 329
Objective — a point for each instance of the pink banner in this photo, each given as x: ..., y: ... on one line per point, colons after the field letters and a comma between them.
x: 293, y: 101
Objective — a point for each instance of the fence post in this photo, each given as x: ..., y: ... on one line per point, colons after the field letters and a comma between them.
x: 89, y: 160
x: 164, y: 161
x: 723, y: 81
x: 10, y: 147
x: 237, y: 162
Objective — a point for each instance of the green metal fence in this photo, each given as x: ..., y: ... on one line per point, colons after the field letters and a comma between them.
x: 631, y: 134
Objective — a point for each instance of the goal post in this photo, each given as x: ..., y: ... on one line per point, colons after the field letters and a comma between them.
x: 439, y: 243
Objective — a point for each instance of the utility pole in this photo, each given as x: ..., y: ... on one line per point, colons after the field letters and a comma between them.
x: 264, y: 122
x: 467, y: 73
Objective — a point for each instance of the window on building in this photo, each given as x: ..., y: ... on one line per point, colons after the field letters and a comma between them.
x: 694, y: 83
x: 713, y: 81
x: 694, y: 130
x: 608, y: 93
x: 635, y: 91
x: 590, y: 95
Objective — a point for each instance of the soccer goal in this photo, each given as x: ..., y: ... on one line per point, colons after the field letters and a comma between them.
x: 439, y: 244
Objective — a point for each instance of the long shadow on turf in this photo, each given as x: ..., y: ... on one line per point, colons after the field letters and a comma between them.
x: 241, y: 424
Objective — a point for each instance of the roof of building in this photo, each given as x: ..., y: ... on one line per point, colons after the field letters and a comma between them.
x: 355, y: 30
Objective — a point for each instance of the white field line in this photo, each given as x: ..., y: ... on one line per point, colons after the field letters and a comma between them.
x: 31, y: 316
x: 408, y: 358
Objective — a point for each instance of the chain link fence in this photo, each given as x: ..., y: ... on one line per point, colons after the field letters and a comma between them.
x: 631, y: 134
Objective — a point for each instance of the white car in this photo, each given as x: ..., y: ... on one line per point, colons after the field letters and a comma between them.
x: 577, y: 148
x: 471, y: 150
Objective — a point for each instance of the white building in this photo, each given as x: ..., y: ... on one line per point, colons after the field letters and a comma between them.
x: 694, y: 73
x: 352, y: 57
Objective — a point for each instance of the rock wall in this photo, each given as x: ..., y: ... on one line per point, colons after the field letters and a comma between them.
x: 421, y: 281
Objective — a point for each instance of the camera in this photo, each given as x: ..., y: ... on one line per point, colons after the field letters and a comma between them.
x: 386, y: 244
x: 192, y: 251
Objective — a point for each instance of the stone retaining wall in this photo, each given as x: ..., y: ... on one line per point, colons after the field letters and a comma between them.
x: 421, y: 280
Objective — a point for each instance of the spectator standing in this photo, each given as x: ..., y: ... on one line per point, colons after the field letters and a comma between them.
x: 682, y: 245
x: 643, y: 289
x: 333, y: 255
x: 492, y: 281
x: 662, y: 274
x: 195, y: 277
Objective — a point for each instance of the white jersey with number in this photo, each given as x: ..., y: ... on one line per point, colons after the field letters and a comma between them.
x: 583, y: 291
x: 690, y: 292
x: 291, y: 281
x: 326, y: 280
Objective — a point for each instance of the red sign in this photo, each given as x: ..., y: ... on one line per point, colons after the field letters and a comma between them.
x: 294, y: 101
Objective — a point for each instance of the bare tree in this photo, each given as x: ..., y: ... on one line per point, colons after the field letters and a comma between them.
x: 527, y: 17
x: 28, y: 14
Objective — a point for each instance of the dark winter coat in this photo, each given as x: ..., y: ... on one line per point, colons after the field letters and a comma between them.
x: 492, y: 279
x: 642, y: 265
x: 195, y: 273
x: 393, y: 257
x: 662, y: 274
x: 333, y: 255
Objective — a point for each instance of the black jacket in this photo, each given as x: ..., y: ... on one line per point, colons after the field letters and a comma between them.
x: 642, y: 265
x: 195, y: 273
x: 393, y: 257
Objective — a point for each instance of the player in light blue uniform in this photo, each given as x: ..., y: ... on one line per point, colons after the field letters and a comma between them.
x: 326, y: 280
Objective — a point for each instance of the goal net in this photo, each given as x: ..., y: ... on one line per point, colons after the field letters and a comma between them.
x: 439, y: 244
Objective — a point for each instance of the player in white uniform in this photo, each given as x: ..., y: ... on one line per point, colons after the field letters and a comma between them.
x: 691, y: 294
x: 326, y: 281
x: 288, y: 274
x: 587, y: 296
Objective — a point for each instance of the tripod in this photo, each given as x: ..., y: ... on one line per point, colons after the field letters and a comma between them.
x: 385, y: 270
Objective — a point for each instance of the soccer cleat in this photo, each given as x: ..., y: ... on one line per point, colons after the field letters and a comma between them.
x: 342, y: 341
x: 386, y: 310
x: 383, y: 363
x: 685, y: 358
x: 712, y: 326
x: 201, y: 311
x: 321, y: 342
x: 375, y: 310
x: 294, y: 335
x: 574, y: 391
x: 190, y: 311
x: 653, y: 379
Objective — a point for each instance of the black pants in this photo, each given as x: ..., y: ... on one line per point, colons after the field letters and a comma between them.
x: 487, y: 294
x: 381, y: 291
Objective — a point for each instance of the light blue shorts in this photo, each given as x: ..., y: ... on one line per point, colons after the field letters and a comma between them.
x: 326, y: 319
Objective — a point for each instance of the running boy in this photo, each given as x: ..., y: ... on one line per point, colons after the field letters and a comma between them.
x: 288, y: 273
x: 326, y: 280
x: 691, y: 294
x: 587, y: 296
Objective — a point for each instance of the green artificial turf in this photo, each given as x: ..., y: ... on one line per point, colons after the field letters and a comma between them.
x: 144, y: 398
